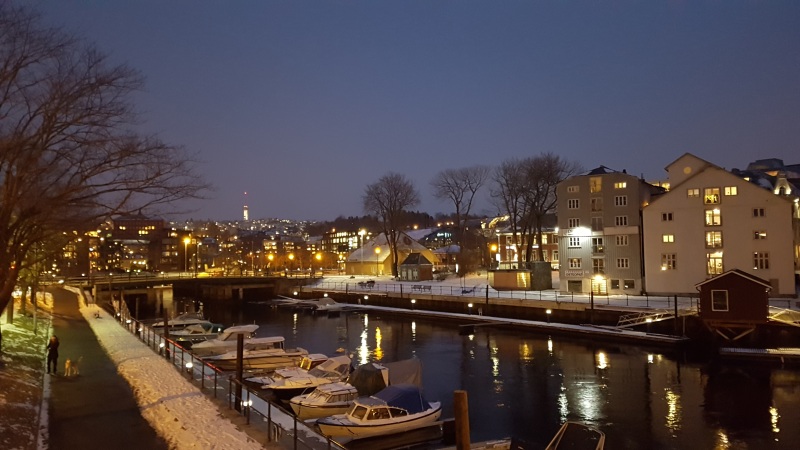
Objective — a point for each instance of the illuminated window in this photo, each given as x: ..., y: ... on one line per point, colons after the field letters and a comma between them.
x: 595, y: 184
x: 572, y: 188
x: 666, y: 217
x: 574, y: 263
x: 719, y: 300
x: 622, y: 185
x: 761, y: 260
x: 621, y: 200
x: 714, y: 263
x: 668, y: 261
x: 614, y: 284
x: 623, y: 263
x: 759, y: 235
x: 573, y: 203
x: 713, y: 239
x: 555, y: 255
x: 574, y: 223
x: 759, y: 212
x: 598, y: 245
x: 711, y: 196
x: 574, y: 242
x: 622, y: 240
x: 713, y: 217
x: 669, y: 238
x: 693, y: 193
x: 597, y: 204
x: 621, y: 221
x: 731, y: 190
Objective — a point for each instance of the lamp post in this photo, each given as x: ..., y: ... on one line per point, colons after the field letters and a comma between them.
x: 319, y: 258
x: 377, y: 253
x: 291, y: 256
x: 196, y: 257
x: 269, y: 257
x: 361, y: 234
x: 186, y: 254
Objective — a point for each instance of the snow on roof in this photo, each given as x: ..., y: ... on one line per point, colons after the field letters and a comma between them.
x: 367, y: 252
x: 421, y: 233
x: 448, y: 249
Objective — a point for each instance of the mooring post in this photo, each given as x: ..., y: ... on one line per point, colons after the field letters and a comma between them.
x: 591, y: 309
x: 487, y: 294
x: 676, y: 315
x: 239, y: 369
x: 166, y: 333
x: 461, y: 414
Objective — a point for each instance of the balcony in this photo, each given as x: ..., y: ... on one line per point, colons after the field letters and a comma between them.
x: 598, y: 249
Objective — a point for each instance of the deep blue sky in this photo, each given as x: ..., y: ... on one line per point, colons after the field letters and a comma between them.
x: 303, y: 103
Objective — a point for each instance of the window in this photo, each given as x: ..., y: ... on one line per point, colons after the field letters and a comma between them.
x: 555, y: 255
x: 621, y: 221
x: 630, y: 284
x: 713, y: 239
x: 595, y: 184
x: 759, y: 212
x: 731, y: 190
x: 397, y: 412
x: 574, y: 242
x: 597, y: 204
x: 574, y: 223
x: 719, y: 300
x: 599, y: 266
x: 666, y: 217
x: 614, y: 284
x: 597, y: 245
x: 622, y: 185
x: 760, y: 260
x: 759, y: 235
x: 711, y: 196
x: 714, y: 263
x: 668, y: 238
x: 572, y: 189
x: 693, y: 193
x: 623, y: 263
x: 713, y: 217
x: 621, y: 200
x: 379, y: 414
x: 574, y: 263
x: 669, y: 261
x: 573, y: 203
x: 597, y: 224
x: 622, y: 240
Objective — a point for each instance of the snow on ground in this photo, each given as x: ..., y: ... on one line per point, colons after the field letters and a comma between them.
x: 22, y: 375
x: 178, y: 411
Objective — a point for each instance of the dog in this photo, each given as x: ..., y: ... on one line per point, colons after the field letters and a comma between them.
x: 73, y: 368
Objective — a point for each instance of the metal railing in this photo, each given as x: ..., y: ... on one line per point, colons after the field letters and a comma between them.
x: 281, y: 427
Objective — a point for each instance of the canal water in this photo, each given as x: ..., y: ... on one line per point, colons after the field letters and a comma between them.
x: 525, y: 385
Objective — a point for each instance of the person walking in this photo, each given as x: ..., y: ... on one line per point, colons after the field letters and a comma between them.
x: 52, y: 354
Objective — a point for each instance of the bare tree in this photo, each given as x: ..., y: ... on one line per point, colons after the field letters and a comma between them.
x: 388, y: 199
x: 459, y: 186
x: 508, y: 193
x: 68, y: 153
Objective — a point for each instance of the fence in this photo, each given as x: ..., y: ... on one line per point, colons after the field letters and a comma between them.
x: 281, y: 426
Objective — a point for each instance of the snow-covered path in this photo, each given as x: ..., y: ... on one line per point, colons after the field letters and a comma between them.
x: 178, y: 411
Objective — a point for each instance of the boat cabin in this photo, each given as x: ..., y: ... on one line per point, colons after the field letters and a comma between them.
x: 333, y: 393
x: 370, y: 408
x: 312, y: 360
x: 230, y: 333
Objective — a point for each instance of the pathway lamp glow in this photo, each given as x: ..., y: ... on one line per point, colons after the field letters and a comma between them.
x: 413, y: 301
x: 366, y: 297
x: 549, y: 311
x: 470, y: 308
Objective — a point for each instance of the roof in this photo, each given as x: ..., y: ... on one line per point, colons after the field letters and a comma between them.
x: 766, y: 164
x: 448, y: 249
x: 416, y: 259
x: 367, y: 252
x: 602, y: 170
x: 740, y: 273
x: 421, y: 233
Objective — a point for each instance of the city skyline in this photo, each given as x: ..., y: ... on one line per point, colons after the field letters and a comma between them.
x: 303, y: 104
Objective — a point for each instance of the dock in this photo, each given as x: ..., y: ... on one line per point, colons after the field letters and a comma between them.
x: 782, y: 354
x: 587, y: 331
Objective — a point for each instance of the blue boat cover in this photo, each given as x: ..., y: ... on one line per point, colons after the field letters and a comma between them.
x: 406, y: 396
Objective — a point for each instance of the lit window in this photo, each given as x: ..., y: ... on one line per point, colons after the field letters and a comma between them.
x: 595, y: 184
x: 597, y: 245
x: 572, y: 189
x: 622, y: 240
x: 759, y: 212
x: 713, y: 239
x: 614, y: 284
x: 731, y: 190
x: 574, y: 223
x: 621, y: 221
x: 693, y: 193
x: 711, y: 196
x: 574, y: 263
x: 719, y: 300
x: 621, y: 200
x: 666, y: 217
x: 668, y: 261
x: 573, y: 203
x: 597, y: 204
x: 599, y: 266
x: 574, y: 242
x: 761, y: 260
x: 555, y: 255
x: 713, y: 217
x: 629, y: 284
x: 622, y: 185
x: 623, y: 263
x: 669, y: 238
x: 759, y: 235
x: 714, y: 266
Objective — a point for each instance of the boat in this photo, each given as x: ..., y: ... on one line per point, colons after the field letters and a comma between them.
x: 396, y: 409
x: 253, y: 360
x: 307, y: 363
x: 332, y: 370
x: 326, y: 400
x: 326, y: 304
x: 197, y: 333
x: 577, y: 436
x: 226, y: 341
x: 182, y: 321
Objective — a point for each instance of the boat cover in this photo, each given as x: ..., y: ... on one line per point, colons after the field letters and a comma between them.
x: 368, y: 379
x: 406, y: 396
x: 408, y: 371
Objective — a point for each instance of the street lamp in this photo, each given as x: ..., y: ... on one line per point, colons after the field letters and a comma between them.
x: 377, y: 253
x: 196, y: 259
x: 361, y: 234
x: 291, y: 256
x: 186, y: 253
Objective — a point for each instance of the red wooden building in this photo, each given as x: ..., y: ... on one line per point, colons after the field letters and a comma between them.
x: 734, y: 303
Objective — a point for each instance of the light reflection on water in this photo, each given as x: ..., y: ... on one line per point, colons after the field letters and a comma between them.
x: 526, y: 385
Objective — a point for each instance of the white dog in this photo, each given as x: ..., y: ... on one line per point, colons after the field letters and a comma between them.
x: 72, y: 368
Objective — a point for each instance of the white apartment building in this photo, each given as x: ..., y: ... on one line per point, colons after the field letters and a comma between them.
x: 711, y: 221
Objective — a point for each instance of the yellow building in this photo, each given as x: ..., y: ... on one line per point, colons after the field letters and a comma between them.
x: 374, y: 257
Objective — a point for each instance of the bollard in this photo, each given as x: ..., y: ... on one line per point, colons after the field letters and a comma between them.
x: 295, y: 432
x: 461, y: 413
x: 269, y: 421
x: 239, y: 368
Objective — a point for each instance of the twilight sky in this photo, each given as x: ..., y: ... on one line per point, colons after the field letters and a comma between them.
x: 302, y: 103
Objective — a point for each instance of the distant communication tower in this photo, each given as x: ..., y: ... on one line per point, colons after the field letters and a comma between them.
x: 246, y: 213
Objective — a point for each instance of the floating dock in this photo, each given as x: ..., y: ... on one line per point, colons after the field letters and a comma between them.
x: 782, y: 354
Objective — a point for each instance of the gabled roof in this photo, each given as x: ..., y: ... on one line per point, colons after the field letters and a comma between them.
x: 602, y: 170
x: 416, y: 259
x: 740, y: 273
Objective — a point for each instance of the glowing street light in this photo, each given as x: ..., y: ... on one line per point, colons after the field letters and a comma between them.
x: 186, y: 253
x: 377, y: 252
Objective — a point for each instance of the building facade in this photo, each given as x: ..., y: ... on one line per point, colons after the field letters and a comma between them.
x: 600, y: 232
x: 712, y: 221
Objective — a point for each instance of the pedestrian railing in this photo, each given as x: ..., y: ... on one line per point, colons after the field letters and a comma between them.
x: 281, y: 427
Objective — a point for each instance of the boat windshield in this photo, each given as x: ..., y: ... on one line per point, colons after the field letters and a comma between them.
x: 318, y: 395
x: 379, y: 413
x: 357, y: 411
x: 326, y: 371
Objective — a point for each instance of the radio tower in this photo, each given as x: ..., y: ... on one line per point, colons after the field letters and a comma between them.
x: 246, y: 214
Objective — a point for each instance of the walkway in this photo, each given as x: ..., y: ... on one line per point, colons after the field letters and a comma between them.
x: 97, y: 408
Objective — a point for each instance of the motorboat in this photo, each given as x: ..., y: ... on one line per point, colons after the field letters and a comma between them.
x: 326, y: 400
x: 226, y: 341
x: 307, y: 363
x: 197, y: 333
x: 182, y: 321
x: 396, y: 409
x: 326, y: 304
x: 333, y: 370
x: 577, y: 436
x: 263, y: 360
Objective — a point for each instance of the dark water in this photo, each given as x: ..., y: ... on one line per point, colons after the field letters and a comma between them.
x: 526, y: 385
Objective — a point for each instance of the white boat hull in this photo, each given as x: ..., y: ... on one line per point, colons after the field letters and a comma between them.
x: 307, y: 411
x: 362, y: 430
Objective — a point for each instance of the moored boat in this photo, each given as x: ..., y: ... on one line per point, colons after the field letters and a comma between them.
x: 332, y: 370
x: 197, y: 333
x: 326, y: 400
x: 182, y: 321
x: 252, y: 360
x: 307, y: 363
x: 226, y: 341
